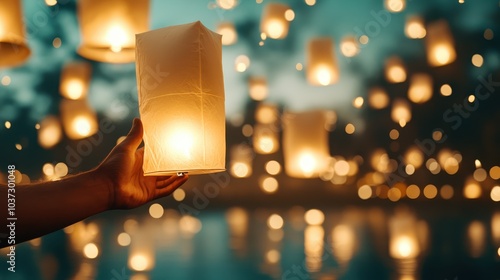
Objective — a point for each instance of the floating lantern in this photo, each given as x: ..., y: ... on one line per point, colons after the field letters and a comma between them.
x: 313, y: 247
x: 322, y: 68
x: 266, y: 113
x: 108, y: 28
x: 440, y: 44
x: 265, y: 138
x: 349, y: 46
x: 395, y: 6
x: 258, y: 88
x: 403, y: 242
x: 378, y: 98
x: 401, y: 111
x: 420, y: 90
x: 142, y: 255
x: 13, y: 47
x: 415, y: 28
x: 228, y: 32
x: 241, y: 161
x: 79, y: 120
x: 50, y: 132
x: 75, y: 79
x: 305, y: 144
x: 181, y: 100
x: 395, y: 71
x: 274, y: 23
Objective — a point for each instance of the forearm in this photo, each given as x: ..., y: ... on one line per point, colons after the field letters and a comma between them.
x: 50, y: 206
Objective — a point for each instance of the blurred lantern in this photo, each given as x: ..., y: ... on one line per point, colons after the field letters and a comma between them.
x: 313, y: 247
x: 266, y: 113
x: 440, y: 44
x: 141, y: 255
x: 395, y: 71
x: 108, y: 28
x: 414, y: 157
x: 258, y: 88
x: 75, y: 79
x: 13, y: 47
x: 401, y: 111
x: 472, y: 188
x: 265, y: 138
x: 273, y: 22
x: 403, y: 242
x: 420, y: 90
x: 344, y: 243
x: 184, y: 121
x: 415, y: 28
x: 322, y: 68
x: 378, y: 98
x: 349, y: 46
x: 78, y: 118
x: 395, y: 6
x: 241, y: 161
x: 228, y: 32
x: 476, y: 237
x: 50, y: 132
x: 305, y: 144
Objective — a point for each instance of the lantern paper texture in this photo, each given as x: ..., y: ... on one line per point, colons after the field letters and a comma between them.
x: 322, y: 67
x: 440, y: 44
x: 181, y: 99
x: 75, y: 79
x: 78, y: 118
x: 13, y: 47
x: 108, y: 28
x: 273, y: 22
x: 50, y: 132
x: 305, y: 144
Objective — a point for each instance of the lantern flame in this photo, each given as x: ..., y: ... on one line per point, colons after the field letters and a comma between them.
x: 116, y: 37
x: 82, y: 126
x: 182, y: 141
x: 323, y: 75
x: 307, y: 163
x: 75, y: 89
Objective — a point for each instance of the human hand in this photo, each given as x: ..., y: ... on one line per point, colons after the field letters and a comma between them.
x: 122, y: 168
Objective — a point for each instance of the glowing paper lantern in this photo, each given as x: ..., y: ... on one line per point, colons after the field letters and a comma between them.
x: 181, y: 99
x: 395, y: 71
x: 395, y: 6
x: 266, y: 113
x: 401, y: 111
x: 415, y: 28
x: 322, y: 67
x: 265, y: 138
x: 75, y: 78
x: 349, y: 46
x: 420, y: 89
x: 241, y: 161
x: 378, y: 98
x: 108, y: 28
x: 50, y: 132
x: 228, y: 32
x: 305, y: 144
x: 13, y: 47
x: 274, y: 23
x: 142, y: 255
x: 403, y: 241
x: 79, y: 120
x: 440, y: 44
x: 258, y: 88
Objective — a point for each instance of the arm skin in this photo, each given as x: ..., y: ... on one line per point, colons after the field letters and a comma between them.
x: 117, y: 183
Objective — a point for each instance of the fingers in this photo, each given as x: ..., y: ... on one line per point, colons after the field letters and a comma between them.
x: 173, y: 183
x: 134, y: 137
x: 164, y: 181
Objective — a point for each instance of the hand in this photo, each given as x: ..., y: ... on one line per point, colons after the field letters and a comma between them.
x: 122, y: 168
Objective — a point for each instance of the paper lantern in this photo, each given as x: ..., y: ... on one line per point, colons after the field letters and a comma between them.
x: 50, y: 132
x: 266, y: 113
x: 395, y: 6
x: 415, y: 28
x: 274, y: 23
x: 108, y: 28
x: 78, y: 118
x: 401, y: 111
x: 228, y: 32
x: 420, y: 90
x: 13, y: 47
x: 349, y: 46
x: 378, y: 98
x: 75, y: 79
x: 403, y: 239
x: 258, y: 88
x: 265, y: 138
x: 305, y: 144
x: 440, y: 44
x: 241, y: 161
x: 395, y: 71
x: 181, y: 100
x: 322, y: 68
x: 142, y: 255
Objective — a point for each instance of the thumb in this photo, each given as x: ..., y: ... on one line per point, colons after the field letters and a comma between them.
x: 134, y: 137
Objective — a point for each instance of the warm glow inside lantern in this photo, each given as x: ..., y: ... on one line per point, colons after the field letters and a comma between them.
x: 395, y: 6
x: 241, y: 161
x: 228, y: 32
x: 108, y: 28
x: 78, y: 118
x: 349, y: 46
x: 266, y: 113
x: 401, y: 111
x: 395, y: 71
x: 273, y: 22
x: 378, y: 98
x: 258, y: 88
x: 403, y: 242
x: 75, y: 79
x: 13, y: 47
x: 420, y: 90
x: 181, y: 99
x: 50, y: 132
x: 415, y: 28
x: 265, y: 138
x: 440, y: 44
x: 305, y: 144
x: 322, y: 67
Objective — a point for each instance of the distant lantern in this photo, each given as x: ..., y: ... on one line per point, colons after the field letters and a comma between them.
x: 108, y: 28
x: 241, y: 161
x: 305, y: 144
x: 420, y: 90
x: 273, y: 22
x: 75, y: 79
x: 181, y: 100
x: 401, y: 111
x: 395, y: 71
x: 265, y: 138
x: 258, y: 88
x: 228, y: 32
x: 395, y: 6
x: 440, y: 44
x: 13, y: 47
x: 78, y: 118
x: 50, y: 132
x: 142, y: 253
x: 322, y: 67
x: 403, y: 242
x: 266, y: 113
x: 349, y: 46
x: 378, y: 98
x: 415, y: 28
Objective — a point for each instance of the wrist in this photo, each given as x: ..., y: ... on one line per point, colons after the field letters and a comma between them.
x: 103, y: 186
